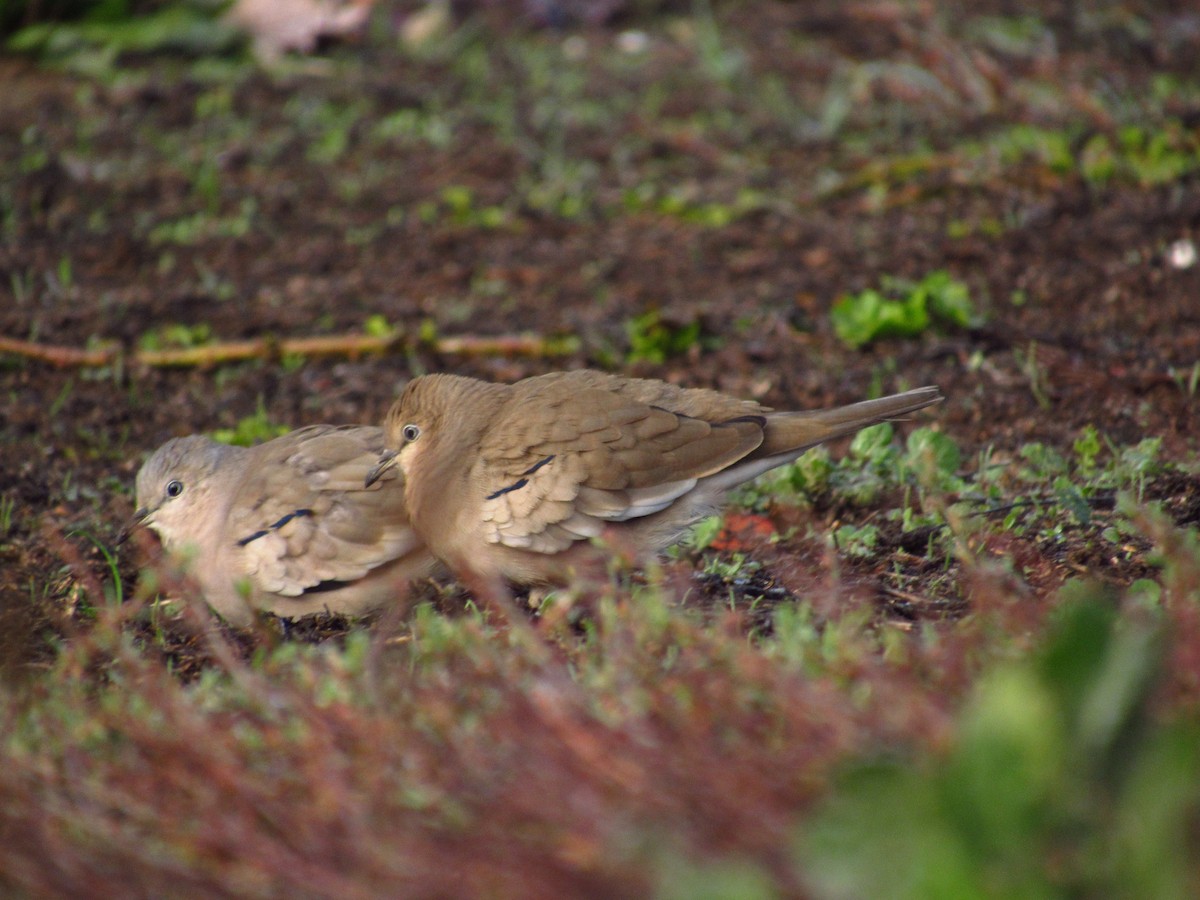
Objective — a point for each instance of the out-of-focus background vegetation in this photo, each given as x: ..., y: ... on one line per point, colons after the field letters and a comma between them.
x: 954, y: 657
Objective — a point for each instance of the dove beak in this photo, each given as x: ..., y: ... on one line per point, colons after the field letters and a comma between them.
x: 386, y: 460
x: 139, y: 519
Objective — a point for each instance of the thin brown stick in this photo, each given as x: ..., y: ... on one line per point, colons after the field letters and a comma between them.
x: 351, y: 345
x: 57, y: 356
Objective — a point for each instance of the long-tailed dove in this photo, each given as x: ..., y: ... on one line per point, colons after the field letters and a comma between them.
x: 287, y: 526
x: 510, y: 481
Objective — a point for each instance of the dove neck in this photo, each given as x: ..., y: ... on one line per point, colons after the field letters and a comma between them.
x: 215, y: 460
x: 227, y: 470
x: 441, y: 467
x: 436, y: 480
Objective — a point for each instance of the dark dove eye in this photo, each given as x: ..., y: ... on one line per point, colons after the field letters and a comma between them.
x: 174, y: 488
x: 410, y: 433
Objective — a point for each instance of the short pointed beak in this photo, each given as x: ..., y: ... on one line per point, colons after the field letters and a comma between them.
x: 138, y: 520
x: 386, y: 460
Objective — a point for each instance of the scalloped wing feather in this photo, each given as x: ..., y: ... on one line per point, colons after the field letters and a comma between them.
x: 556, y: 470
x: 302, y: 517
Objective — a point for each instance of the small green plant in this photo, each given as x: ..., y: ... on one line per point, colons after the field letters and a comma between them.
x: 1050, y: 147
x: 870, y: 465
x: 1024, y: 36
x: 252, y: 429
x: 703, y: 533
x: 378, y: 326
x: 934, y: 458
x: 1143, y: 156
x: 1028, y: 362
x: 457, y: 205
x: 562, y: 186
x: 203, y: 226
x: 22, y: 286
x: 721, y: 61
x: 728, y: 568
x: 176, y: 336
x: 8, y: 508
x: 682, y: 203
x: 60, y: 400
x: 326, y: 124
x: 856, y: 540
x: 34, y: 156
x: 811, y: 475
x: 206, y: 186
x: 1057, y: 784
x: 873, y: 463
x: 1133, y: 465
x: 114, y: 591
x: 903, y: 309
x: 64, y: 277
x: 1048, y: 492
x: 1188, y: 380
x: 109, y: 32
x: 1087, y: 449
x: 654, y: 340
x: 411, y: 126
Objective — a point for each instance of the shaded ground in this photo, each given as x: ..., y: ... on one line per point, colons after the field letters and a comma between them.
x: 739, y: 173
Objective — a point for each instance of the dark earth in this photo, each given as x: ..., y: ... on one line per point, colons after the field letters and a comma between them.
x: 541, y: 180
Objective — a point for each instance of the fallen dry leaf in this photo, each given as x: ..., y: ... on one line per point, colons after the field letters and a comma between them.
x: 278, y: 26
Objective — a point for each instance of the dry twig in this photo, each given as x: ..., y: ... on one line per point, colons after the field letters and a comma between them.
x: 351, y: 345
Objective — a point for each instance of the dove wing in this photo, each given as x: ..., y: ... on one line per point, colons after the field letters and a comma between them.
x: 556, y: 466
x: 302, y: 518
x: 712, y: 406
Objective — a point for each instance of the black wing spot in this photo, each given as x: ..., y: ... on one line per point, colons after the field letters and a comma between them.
x: 523, y: 480
x: 537, y: 465
x: 515, y: 486
x: 275, y: 526
x: 253, y: 537
x: 298, y: 514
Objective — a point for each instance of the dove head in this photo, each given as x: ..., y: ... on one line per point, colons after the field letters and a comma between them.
x: 449, y: 410
x: 176, y: 484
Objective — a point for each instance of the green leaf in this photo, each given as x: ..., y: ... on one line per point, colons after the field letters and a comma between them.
x: 861, y: 318
x: 873, y: 443
x: 176, y: 28
x: 926, y: 444
x: 949, y: 300
x: 1072, y: 500
x: 886, y: 835
x: 1156, y: 815
x: 856, y: 540
x: 250, y: 430
x: 378, y: 326
x: 1009, y: 764
x: 1087, y: 448
x: 1055, y: 787
x: 1142, y: 458
x: 1075, y: 650
x: 810, y: 473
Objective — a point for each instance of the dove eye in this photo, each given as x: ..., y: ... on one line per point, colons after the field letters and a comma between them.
x: 174, y: 488
x: 410, y: 433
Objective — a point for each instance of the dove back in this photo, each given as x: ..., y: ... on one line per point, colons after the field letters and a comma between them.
x: 514, y: 480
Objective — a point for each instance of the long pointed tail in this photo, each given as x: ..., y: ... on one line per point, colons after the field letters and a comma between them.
x: 793, y: 432
x: 788, y: 434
